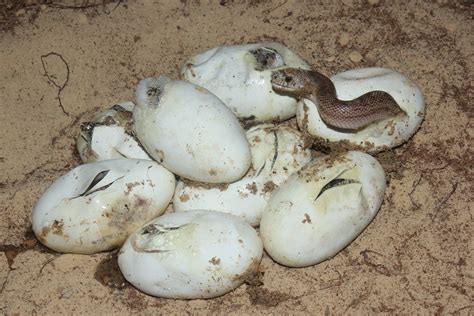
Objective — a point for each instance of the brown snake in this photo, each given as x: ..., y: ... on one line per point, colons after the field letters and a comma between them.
x: 354, y: 114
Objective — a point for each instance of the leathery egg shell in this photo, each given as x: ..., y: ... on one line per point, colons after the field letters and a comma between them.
x: 190, y: 131
x: 95, y: 206
x: 110, y: 136
x: 198, y: 254
x: 240, y: 75
x: 320, y: 209
x: 277, y: 152
x: 377, y: 136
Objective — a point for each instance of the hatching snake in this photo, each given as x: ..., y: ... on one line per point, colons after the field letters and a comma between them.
x: 371, y: 107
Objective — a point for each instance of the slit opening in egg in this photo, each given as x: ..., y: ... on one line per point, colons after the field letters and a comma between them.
x: 267, y: 58
x: 144, y: 241
x: 97, y: 179
x: 336, y: 182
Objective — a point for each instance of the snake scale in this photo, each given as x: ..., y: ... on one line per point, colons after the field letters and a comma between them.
x: 371, y: 107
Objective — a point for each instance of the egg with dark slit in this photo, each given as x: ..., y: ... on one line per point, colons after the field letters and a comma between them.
x: 95, y: 206
x: 322, y: 208
x: 189, y: 255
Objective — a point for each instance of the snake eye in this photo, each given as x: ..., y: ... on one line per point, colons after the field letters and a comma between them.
x: 288, y: 79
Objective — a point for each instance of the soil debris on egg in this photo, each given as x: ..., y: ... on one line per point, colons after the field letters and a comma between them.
x: 189, y: 255
x: 320, y: 209
x: 95, y: 206
x: 187, y: 129
x: 277, y: 152
x: 240, y: 76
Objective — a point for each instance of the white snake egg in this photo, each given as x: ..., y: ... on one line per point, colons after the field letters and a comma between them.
x: 110, y: 136
x: 240, y: 75
x: 320, y: 209
x: 95, y: 206
x: 190, y: 131
x: 188, y: 255
x: 277, y: 152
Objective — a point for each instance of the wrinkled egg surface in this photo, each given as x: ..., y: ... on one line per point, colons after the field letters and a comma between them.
x: 322, y: 208
x: 95, y: 206
x: 377, y: 136
x: 240, y: 75
x: 196, y: 254
x: 277, y: 152
x: 190, y: 131
x: 110, y: 136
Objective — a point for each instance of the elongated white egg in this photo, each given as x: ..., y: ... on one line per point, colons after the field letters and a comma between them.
x: 190, y: 131
x: 197, y: 254
x: 95, y: 206
x: 320, y: 209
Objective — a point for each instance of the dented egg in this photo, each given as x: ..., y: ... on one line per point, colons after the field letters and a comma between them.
x: 240, y: 75
x: 188, y: 255
x: 110, y: 135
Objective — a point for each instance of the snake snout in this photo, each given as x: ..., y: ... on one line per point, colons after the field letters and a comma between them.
x: 280, y: 78
x: 275, y: 76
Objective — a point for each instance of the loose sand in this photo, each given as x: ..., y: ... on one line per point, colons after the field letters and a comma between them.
x: 415, y: 257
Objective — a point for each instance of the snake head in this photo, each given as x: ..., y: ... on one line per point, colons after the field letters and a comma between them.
x: 292, y: 81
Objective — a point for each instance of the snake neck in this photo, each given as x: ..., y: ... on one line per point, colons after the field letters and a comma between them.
x: 354, y: 114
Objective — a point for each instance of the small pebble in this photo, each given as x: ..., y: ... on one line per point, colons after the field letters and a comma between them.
x: 451, y: 27
x: 20, y: 12
x: 373, y: 2
x: 355, y: 57
x: 331, y: 58
x: 82, y: 18
x: 344, y: 39
x: 348, y: 3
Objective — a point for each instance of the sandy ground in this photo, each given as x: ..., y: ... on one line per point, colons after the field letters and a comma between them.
x: 415, y: 257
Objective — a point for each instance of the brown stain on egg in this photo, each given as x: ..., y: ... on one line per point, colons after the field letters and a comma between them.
x: 140, y: 202
x: 124, y: 217
x: 269, y: 186
x: 215, y: 261
x: 212, y: 172
x: 43, y: 233
x: 160, y: 155
x: 390, y: 128
x: 252, y: 187
x: 184, y: 197
x: 57, y: 227
x: 306, y: 219
x: 304, y: 122
x: 131, y: 185
x: 201, y: 89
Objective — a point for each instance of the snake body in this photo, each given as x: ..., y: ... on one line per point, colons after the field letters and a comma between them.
x: 354, y: 114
